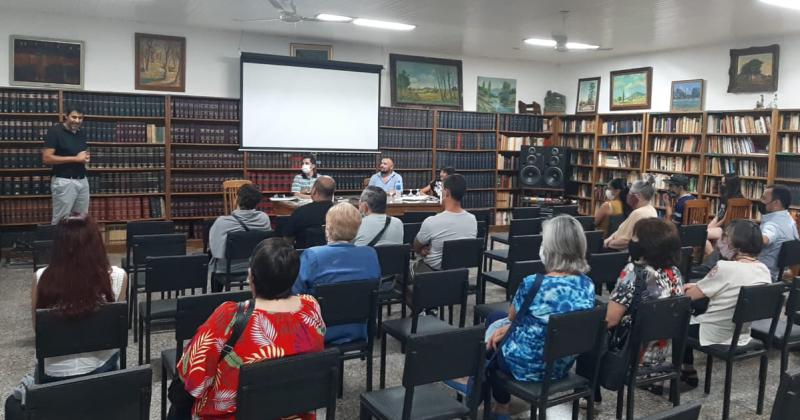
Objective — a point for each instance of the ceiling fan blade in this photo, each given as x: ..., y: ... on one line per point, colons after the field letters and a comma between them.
x: 605, y: 49
x: 257, y: 20
x: 278, y: 5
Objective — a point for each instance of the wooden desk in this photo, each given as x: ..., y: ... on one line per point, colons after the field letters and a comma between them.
x: 285, y: 208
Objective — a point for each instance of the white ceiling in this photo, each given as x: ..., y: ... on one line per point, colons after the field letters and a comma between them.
x: 481, y: 28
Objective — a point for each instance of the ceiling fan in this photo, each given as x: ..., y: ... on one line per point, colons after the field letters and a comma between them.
x: 287, y: 12
x: 560, y: 42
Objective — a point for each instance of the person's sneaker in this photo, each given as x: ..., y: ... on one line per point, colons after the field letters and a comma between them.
x: 585, y: 404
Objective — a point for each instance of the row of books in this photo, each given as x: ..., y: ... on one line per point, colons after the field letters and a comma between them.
x: 579, y: 141
x: 633, y: 144
x: 505, y: 200
x: 24, y: 130
x: 661, y: 180
x: 478, y: 199
x: 28, y: 102
x: 524, y: 123
x: 578, y: 125
x: 25, y: 185
x: 584, y: 191
x: 411, y: 179
x: 105, y: 157
x: 789, y: 144
x: 581, y: 174
x: 753, y: 189
x: 470, y: 141
x: 192, y: 229
x: 269, y: 160
x: 479, y: 179
x: 28, y: 211
x: 618, y: 160
x: 124, y: 132
x: 742, y: 167
x: 608, y: 174
x: 794, y: 189
x: 689, y: 144
x: 128, y: 182
x: 789, y: 122
x: 409, y: 159
x: 21, y: 158
x: 788, y: 168
x: 270, y: 181
x: 506, y: 181
x: 208, y: 109
x: 736, y: 145
x: 183, y: 182
x: 505, y: 162
x: 197, y: 206
x: 622, y: 126
x: 126, y: 208
x: 682, y: 124
x: 116, y: 105
x: 711, y: 185
x: 580, y: 158
x: 584, y: 207
x: 466, y: 120
x: 516, y: 143
x: 204, y: 158
x: 463, y: 160
x: 396, y: 117
x: 354, y: 181
x: 675, y: 163
x: 204, y: 134
x: 391, y: 137
x: 347, y: 161
x: 739, y: 124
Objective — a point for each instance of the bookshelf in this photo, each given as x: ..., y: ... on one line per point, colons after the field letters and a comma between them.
x: 786, y: 163
x: 578, y: 133
x: 618, y: 150
x: 406, y: 135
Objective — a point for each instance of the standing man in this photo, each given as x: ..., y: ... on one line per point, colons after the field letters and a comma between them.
x: 387, y: 178
x: 65, y: 150
x: 302, y: 183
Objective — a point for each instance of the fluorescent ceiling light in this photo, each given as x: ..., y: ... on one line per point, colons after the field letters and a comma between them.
x: 789, y: 4
x: 383, y: 25
x: 333, y: 18
x: 539, y: 42
x: 580, y: 46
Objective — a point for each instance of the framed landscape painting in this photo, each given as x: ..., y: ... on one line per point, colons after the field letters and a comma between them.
x: 496, y: 95
x: 687, y: 95
x: 311, y: 51
x: 46, y: 62
x: 588, y: 93
x: 754, y: 69
x: 425, y: 81
x: 160, y: 62
x: 631, y: 89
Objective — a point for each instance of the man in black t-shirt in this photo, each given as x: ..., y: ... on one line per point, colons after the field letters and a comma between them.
x: 65, y: 150
x: 305, y: 224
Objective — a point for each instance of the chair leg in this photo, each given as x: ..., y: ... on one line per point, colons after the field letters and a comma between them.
x: 383, y: 361
x: 389, y: 310
x: 133, y: 299
x: 369, y: 370
x: 629, y: 404
x: 487, y: 398
x: 674, y: 394
x: 140, y: 332
x: 341, y: 378
x: 147, y: 326
x: 726, y: 396
x: 450, y: 313
x: 543, y: 408
x: 380, y: 322
x: 163, y: 392
x: 784, y: 359
x: 590, y: 406
x: 534, y: 410
x: 619, y: 402
x: 707, y: 381
x: 364, y: 413
x: 762, y: 382
x: 576, y: 408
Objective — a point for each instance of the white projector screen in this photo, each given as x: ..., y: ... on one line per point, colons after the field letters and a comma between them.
x: 288, y: 105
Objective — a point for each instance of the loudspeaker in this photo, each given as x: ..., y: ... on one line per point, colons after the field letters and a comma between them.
x: 543, y: 167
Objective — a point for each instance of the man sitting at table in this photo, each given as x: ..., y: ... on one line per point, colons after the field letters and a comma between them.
x: 434, y: 189
x: 387, y: 178
x: 305, y: 224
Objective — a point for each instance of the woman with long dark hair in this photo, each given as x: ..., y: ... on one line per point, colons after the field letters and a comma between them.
x: 615, y: 194
x: 730, y: 187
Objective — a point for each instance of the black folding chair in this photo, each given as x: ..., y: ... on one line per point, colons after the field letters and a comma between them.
x: 695, y: 237
x: 484, y: 216
x: 239, y: 246
x: 587, y: 222
x: 532, y: 212
x: 432, y: 358
x: 605, y: 269
x: 394, y: 262
x: 410, y: 231
x: 483, y: 231
x: 207, y: 224
x: 522, y: 248
x: 755, y: 303
x: 431, y: 290
x: 176, y: 273
x: 517, y: 272
x: 44, y: 232
x: 351, y: 302
x: 517, y: 227
x: 789, y: 256
x: 571, y: 210
x: 280, y: 224
x: 104, y: 329
x: 786, y: 337
x: 660, y: 319
x: 681, y: 412
x: 787, y: 399
x: 122, y: 395
x: 568, y: 334
x: 614, y: 222
x: 42, y: 253
x: 286, y: 386
x: 143, y: 227
x: 594, y: 241
x: 416, y: 216
x: 465, y: 253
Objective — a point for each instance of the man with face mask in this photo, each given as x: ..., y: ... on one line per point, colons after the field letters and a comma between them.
x: 65, y: 150
x: 678, y: 195
x: 386, y: 177
x: 377, y: 227
x: 302, y: 183
x: 777, y: 225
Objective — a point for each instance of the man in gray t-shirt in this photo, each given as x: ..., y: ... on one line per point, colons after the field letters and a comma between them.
x: 372, y: 205
x: 777, y: 226
x: 451, y: 224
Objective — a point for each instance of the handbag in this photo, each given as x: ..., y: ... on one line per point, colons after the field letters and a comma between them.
x: 537, y: 284
x: 181, y: 402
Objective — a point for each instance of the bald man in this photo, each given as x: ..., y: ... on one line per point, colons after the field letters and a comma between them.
x: 305, y: 224
x: 387, y: 178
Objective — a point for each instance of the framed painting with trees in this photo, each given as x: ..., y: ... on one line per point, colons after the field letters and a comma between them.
x: 754, y: 69
x: 425, y: 81
x: 160, y: 63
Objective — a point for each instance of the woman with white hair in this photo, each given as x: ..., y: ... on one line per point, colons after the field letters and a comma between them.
x: 639, y: 198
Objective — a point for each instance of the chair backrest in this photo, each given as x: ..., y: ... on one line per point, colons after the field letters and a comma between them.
x: 105, y: 329
x: 416, y: 216
x: 690, y: 411
x: 756, y: 303
x: 663, y: 319
x: 789, y: 255
x: 286, y: 386
x: 311, y: 236
x: 239, y: 245
x: 440, y: 288
x: 280, y: 224
x: 462, y: 253
x: 573, y: 333
x: 193, y: 311
x: 525, y: 227
x: 230, y: 192
x: 482, y: 215
x: 686, y: 261
x: 349, y: 302
x: 176, y: 272
x: 393, y: 259
x: 605, y: 269
x: 524, y: 247
x: 693, y: 235
x: 157, y: 246
x: 787, y: 399
x: 410, y: 231
x: 518, y: 270
x: 587, y: 222
x: 571, y: 210
x: 594, y: 241
x: 614, y: 222
x: 738, y: 208
x: 145, y: 227
x: 483, y: 231
x: 42, y: 253
x: 695, y: 212
x: 526, y: 212
x: 44, y: 232
x: 122, y: 394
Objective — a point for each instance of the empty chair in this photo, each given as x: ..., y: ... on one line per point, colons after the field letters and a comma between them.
x: 484, y: 216
x: 532, y: 212
x: 416, y: 216
x: 518, y: 270
x: 431, y: 358
x: 737, y: 208
x: 483, y: 230
x: 693, y: 235
x: 42, y: 252
x: 681, y: 412
x: 686, y: 262
x: 394, y: 260
x: 410, y: 231
x: 522, y: 248
x: 594, y: 241
x: 695, y: 212
x: 239, y: 246
x: 44, y: 232
x: 280, y: 223
x: 787, y: 399
x: 786, y: 336
x: 606, y: 268
x: 571, y: 210
x: 587, y: 222
x: 518, y: 227
x: 789, y: 256
x: 143, y: 227
x: 464, y: 253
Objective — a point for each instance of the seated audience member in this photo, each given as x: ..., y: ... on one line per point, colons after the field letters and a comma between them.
x: 613, y: 206
x: 565, y: 288
x: 386, y: 178
x: 435, y: 187
x: 305, y: 224
x: 281, y: 324
x: 245, y: 217
x: 777, y: 225
x: 451, y: 224
x: 377, y: 228
x: 730, y: 187
x: 302, y: 183
x: 676, y: 197
x: 639, y: 198
x: 739, y: 246
x: 77, y: 281
x: 339, y: 261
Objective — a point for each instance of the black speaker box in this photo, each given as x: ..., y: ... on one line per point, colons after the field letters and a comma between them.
x: 543, y: 167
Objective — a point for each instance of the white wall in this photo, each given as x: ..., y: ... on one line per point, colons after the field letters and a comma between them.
x: 213, y: 56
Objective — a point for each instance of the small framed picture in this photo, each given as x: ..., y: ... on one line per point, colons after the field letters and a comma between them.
x: 687, y: 95
x: 588, y: 94
x: 631, y: 89
x: 160, y: 63
x: 311, y: 51
x: 754, y: 69
x: 46, y: 62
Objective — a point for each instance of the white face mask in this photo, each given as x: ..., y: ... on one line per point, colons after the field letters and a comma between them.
x: 306, y: 169
x: 609, y: 195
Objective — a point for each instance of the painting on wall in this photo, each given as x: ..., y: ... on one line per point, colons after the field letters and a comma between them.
x: 311, y: 51
x: 588, y: 94
x: 160, y: 62
x: 555, y: 103
x: 687, y: 95
x: 425, y: 81
x: 631, y: 89
x: 754, y: 69
x: 496, y: 95
x: 46, y: 62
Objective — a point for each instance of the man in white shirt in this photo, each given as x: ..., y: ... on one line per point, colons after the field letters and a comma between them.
x: 377, y: 228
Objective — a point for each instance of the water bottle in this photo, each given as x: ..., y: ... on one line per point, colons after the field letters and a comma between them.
x: 398, y: 186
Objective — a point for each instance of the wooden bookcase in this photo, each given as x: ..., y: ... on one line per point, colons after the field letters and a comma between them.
x: 618, y: 150
x: 578, y: 133
x: 785, y: 167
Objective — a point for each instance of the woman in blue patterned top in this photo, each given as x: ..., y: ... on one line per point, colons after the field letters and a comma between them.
x: 565, y: 288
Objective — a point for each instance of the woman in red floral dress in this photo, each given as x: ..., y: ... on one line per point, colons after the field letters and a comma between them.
x: 281, y: 325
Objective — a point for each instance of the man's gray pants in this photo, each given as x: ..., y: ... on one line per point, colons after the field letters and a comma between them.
x: 69, y: 196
